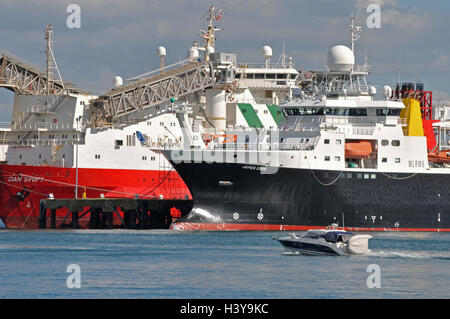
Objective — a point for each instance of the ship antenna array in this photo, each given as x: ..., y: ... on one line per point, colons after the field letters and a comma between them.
x: 355, y: 31
x: 282, y: 58
x: 50, y: 60
x: 210, y: 35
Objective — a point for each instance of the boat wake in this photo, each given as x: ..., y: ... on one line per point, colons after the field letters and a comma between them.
x: 410, y: 254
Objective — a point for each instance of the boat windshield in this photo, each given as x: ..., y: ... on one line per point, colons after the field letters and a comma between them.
x: 334, y: 237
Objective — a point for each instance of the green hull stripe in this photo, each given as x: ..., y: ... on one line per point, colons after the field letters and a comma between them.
x: 277, y: 114
x: 250, y: 115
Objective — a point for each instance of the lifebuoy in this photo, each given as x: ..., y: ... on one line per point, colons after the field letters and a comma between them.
x: 231, y: 99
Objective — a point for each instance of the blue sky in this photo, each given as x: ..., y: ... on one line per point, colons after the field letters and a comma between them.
x: 121, y: 37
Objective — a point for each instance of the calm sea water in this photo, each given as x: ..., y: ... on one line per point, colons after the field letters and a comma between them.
x: 170, y: 264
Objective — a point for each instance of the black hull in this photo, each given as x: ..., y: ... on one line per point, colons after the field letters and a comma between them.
x: 308, y: 249
x: 238, y: 196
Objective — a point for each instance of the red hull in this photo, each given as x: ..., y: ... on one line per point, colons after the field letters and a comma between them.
x: 22, y: 188
x: 275, y: 227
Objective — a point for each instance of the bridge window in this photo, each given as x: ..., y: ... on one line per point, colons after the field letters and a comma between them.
x: 357, y: 112
x: 388, y: 112
x: 304, y: 111
x: 395, y: 143
x: 384, y: 142
x: 346, y: 111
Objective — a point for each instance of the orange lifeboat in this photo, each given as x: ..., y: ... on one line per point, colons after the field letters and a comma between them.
x: 358, y: 149
x: 442, y: 157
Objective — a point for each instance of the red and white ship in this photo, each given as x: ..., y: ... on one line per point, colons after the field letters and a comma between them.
x: 66, y: 143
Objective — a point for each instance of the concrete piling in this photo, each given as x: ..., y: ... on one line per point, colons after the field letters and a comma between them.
x: 102, y: 213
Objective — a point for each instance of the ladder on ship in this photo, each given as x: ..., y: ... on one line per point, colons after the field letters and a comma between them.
x: 115, y: 105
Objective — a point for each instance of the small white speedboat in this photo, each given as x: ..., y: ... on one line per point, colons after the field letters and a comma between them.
x: 326, y: 242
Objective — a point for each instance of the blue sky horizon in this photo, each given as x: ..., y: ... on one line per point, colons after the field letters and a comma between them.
x: 121, y: 37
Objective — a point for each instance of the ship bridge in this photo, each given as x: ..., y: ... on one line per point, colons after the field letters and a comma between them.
x: 150, y: 89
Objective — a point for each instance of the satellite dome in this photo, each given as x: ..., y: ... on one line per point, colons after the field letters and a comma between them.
x: 387, y: 91
x: 210, y: 50
x: 340, y: 59
x: 118, y: 81
x: 161, y: 51
x: 193, y: 54
x: 266, y: 52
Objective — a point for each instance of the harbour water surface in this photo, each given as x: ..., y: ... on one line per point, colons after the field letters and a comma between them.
x: 171, y: 264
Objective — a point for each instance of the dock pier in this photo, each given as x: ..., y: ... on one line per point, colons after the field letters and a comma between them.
x: 109, y: 213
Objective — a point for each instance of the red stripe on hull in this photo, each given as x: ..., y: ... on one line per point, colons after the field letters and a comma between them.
x: 274, y: 227
x: 113, y: 183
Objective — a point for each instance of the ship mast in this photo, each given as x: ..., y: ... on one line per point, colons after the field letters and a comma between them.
x: 209, y: 35
x: 50, y: 60
x: 355, y: 31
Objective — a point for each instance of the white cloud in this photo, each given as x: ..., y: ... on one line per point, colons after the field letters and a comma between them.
x: 441, y: 62
x: 392, y: 14
x: 440, y: 95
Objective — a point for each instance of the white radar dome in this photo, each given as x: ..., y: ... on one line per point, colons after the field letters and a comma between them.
x: 118, y: 81
x: 193, y: 54
x: 162, y: 51
x: 387, y: 91
x: 340, y: 59
x: 210, y: 50
x: 266, y: 52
